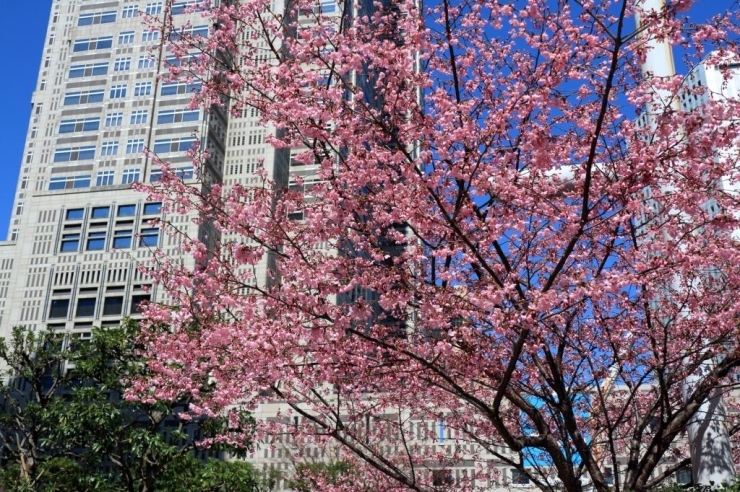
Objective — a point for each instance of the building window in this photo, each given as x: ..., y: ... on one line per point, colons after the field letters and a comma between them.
x: 518, y: 477
x: 130, y: 11
x: 179, y: 88
x: 153, y: 8
x: 186, y: 5
x: 80, y: 125
x: 118, y: 91
x: 177, y: 116
x: 149, y: 237
x: 69, y: 182
x: 143, y: 89
x: 92, y: 44
x: 684, y: 477
x: 154, y: 208
x: 100, y: 213
x: 104, y: 178
x: 114, y: 119
x: 183, y: 173
x: 88, y: 70
x: 328, y: 7
x: 95, y: 241
x: 75, y: 214
x: 122, y: 239
x: 59, y: 308
x: 181, y: 60
x: 109, y: 148
x: 139, y: 117
x: 68, y: 154
x: 126, y: 37
x: 126, y: 210
x: 176, y: 144
x: 113, y: 306
x: 136, y: 302
x: 85, y: 307
x: 442, y: 478
x: 130, y: 176
x: 96, y: 18
x: 122, y: 64
x: 72, y: 98
x: 146, y: 61
x: 135, y: 146
x: 193, y: 31
x: 609, y: 475
x: 149, y: 36
x: 70, y: 243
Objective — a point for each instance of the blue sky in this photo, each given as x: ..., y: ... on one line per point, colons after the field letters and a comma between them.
x: 22, y: 33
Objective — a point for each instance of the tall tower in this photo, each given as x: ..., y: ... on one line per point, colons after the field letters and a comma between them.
x: 78, y: 229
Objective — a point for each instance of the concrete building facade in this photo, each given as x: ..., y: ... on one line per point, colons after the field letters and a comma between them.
x: 78, y: 231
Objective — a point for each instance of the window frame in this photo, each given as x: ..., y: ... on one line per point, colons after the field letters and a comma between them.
x: 130, y: 176
x: 114, y: 119
x: 105, y: 177
x: 126, y: 37
x: 92, y: 44
x: 88, y: 308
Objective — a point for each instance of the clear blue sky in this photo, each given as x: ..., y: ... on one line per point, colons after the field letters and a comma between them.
x: 22, y: 32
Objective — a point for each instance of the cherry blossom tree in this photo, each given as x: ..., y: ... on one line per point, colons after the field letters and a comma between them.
x: 494, y: 240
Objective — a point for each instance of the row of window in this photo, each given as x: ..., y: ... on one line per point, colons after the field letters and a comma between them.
x: 79, y: 125
x: 88, y: 70
x: 145, y: 61
x: 108, y: 178
x: 138, y: 117
x: 193, y: 31
x: 69, y: 182
x: 89, y: 44
x: 71, y: 154
x: 96, y: 240
x: 155, y: 8
x: 110, y: 148
x: 116, y: 118
x: 325, y: 7
x: 128, y: 210
x: 174, y: 144
x: 96, y: 237
x: 96, y: 18
x: 112, y: 306
x: 119, y: 91
x: 179, y: 88
x: 84, y: 97
x: 106, y: 42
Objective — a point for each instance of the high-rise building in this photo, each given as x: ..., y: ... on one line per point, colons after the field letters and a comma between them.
x: 78, y: 230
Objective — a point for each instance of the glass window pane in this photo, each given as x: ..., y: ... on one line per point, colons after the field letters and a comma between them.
x: 59, y: 308
x: 152, y: 208
x: 113, y: 306
x: 100, y: 212
x: 126, y: 210
x: 96, y: 243
x: 85, y: 306
x: 75, y: 213
x: 136, y: 300
x: 149, y: 237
